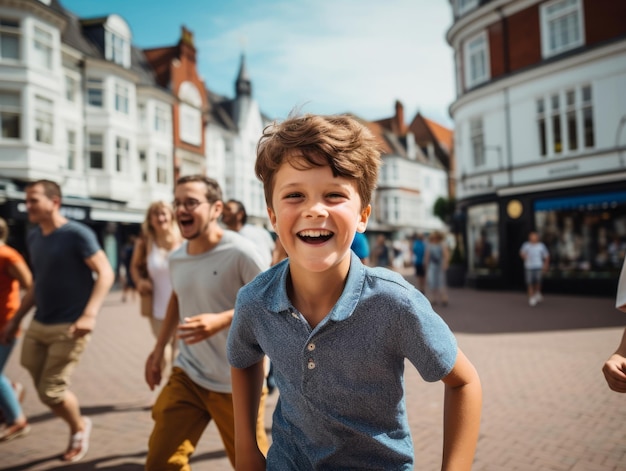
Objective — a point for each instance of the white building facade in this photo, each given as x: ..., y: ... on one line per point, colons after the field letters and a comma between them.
x: 540, y: 137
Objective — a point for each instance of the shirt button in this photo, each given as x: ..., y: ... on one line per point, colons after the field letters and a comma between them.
x: 311, y: 347
x: 294, y: 314
x: 311, y: 364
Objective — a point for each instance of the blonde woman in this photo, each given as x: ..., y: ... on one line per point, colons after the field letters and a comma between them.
x: 149, y: 266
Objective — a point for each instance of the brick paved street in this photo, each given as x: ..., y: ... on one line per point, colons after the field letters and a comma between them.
x: 546, y: 405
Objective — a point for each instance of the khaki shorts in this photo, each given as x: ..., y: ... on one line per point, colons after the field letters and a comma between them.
x: 50, y: 354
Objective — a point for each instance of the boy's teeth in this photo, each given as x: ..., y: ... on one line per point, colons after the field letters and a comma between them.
x: 314, y: 233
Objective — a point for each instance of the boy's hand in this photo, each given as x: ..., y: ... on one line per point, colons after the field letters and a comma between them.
x: 198, y: 328
x: 613, y: 370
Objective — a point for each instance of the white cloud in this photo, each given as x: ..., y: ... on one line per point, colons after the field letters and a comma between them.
x: 337, y: 56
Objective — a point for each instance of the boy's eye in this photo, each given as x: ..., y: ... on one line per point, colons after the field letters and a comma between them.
x: 293, y: 195
x: 335, y: 195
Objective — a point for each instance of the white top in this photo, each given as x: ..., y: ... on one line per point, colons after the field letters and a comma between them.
x: 262, y: 241
x: 159, y: 271
x: 208, y: 283
x: 535, y: 255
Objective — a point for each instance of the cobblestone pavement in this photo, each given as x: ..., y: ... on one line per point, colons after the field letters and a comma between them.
x: 546, y: 405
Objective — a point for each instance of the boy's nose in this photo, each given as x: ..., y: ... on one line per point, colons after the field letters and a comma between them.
x: 316, y: 209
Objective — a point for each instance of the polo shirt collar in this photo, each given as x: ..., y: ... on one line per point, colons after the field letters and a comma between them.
x: 278, y: 301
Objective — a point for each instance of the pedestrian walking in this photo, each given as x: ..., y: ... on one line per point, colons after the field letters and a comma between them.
x: 150, y: 270
x: 381, y: 252
x: 65, y: 256
x: 536, y: 261
x: 207, y: 271
x: 129, y: 288
x: 338, y: 332
x: 14, y: 275
x: 614, y: 368
x: 436, y: 261
x: 419, y: 249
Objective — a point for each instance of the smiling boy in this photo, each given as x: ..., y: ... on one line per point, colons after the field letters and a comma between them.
x: 336, y: 331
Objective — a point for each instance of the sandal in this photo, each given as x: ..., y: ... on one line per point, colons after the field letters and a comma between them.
x: 15, y: 431
x: 79, y: 443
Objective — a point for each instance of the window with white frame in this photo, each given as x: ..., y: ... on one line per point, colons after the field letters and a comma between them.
x: 117, y: 49
x: 161, y: 168
x: 9, y: 39
x: 71, y: 149
x: 161, y: 119
x: 70, y: 88
x: 476, y: 60
x: 43, y: 120
x: 561, y: 26
x: 95, y: 92
x: 587, y: 112
x: 565, y: 122
x: 10, y: 114
x: 42, y: 48
x: 121, y: 154
x: 463, y: 6
x: 143, y: 166
x: 190, y: 122
x: 95, y: 151
x: 477, y: 139
x: 121, y: 98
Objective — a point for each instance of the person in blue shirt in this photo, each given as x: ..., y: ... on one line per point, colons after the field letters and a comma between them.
x: 419, y: 248
x: 337, y: 332
x: 361, y: 247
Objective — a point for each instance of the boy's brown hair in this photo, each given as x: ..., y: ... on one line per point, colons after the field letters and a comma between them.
x: 308, y: 141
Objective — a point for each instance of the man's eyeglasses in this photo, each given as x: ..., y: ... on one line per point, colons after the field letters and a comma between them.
x: 189, y: 204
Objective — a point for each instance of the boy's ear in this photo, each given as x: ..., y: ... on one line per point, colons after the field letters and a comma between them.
x: 272, y: 216
x: 364, y: 217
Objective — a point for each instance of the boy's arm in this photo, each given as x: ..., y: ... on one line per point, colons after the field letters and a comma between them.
x: 614, y: 368
x: 247, y: 384
x: 462, y: 408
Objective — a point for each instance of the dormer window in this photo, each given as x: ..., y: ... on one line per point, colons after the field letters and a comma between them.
x: 116, y: 48
x: 117, y: 39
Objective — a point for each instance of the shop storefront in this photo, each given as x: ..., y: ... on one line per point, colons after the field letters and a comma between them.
x: 583, y: 228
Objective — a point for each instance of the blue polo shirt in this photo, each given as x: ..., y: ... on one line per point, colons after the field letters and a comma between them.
x: 342, y: 401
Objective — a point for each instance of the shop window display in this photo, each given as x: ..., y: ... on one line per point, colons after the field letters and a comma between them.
x: 483, y: 239
x: 586, y: 235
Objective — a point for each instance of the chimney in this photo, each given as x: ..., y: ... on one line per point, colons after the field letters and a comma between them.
x: 399, y: 125
x: 185, y: 45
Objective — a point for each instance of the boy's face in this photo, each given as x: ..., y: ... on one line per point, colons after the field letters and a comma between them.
x: 194, y: 214
x: 316, y: 215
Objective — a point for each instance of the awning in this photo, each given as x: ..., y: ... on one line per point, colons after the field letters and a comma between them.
x: 116, y: 216
x: 591, y: 201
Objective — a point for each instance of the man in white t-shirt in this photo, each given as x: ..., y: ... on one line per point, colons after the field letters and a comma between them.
x: 235, y: 218
x: 207, y: 272
x: 536, y: 260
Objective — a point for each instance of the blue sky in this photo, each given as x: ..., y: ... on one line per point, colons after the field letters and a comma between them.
x: 323, y: 56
